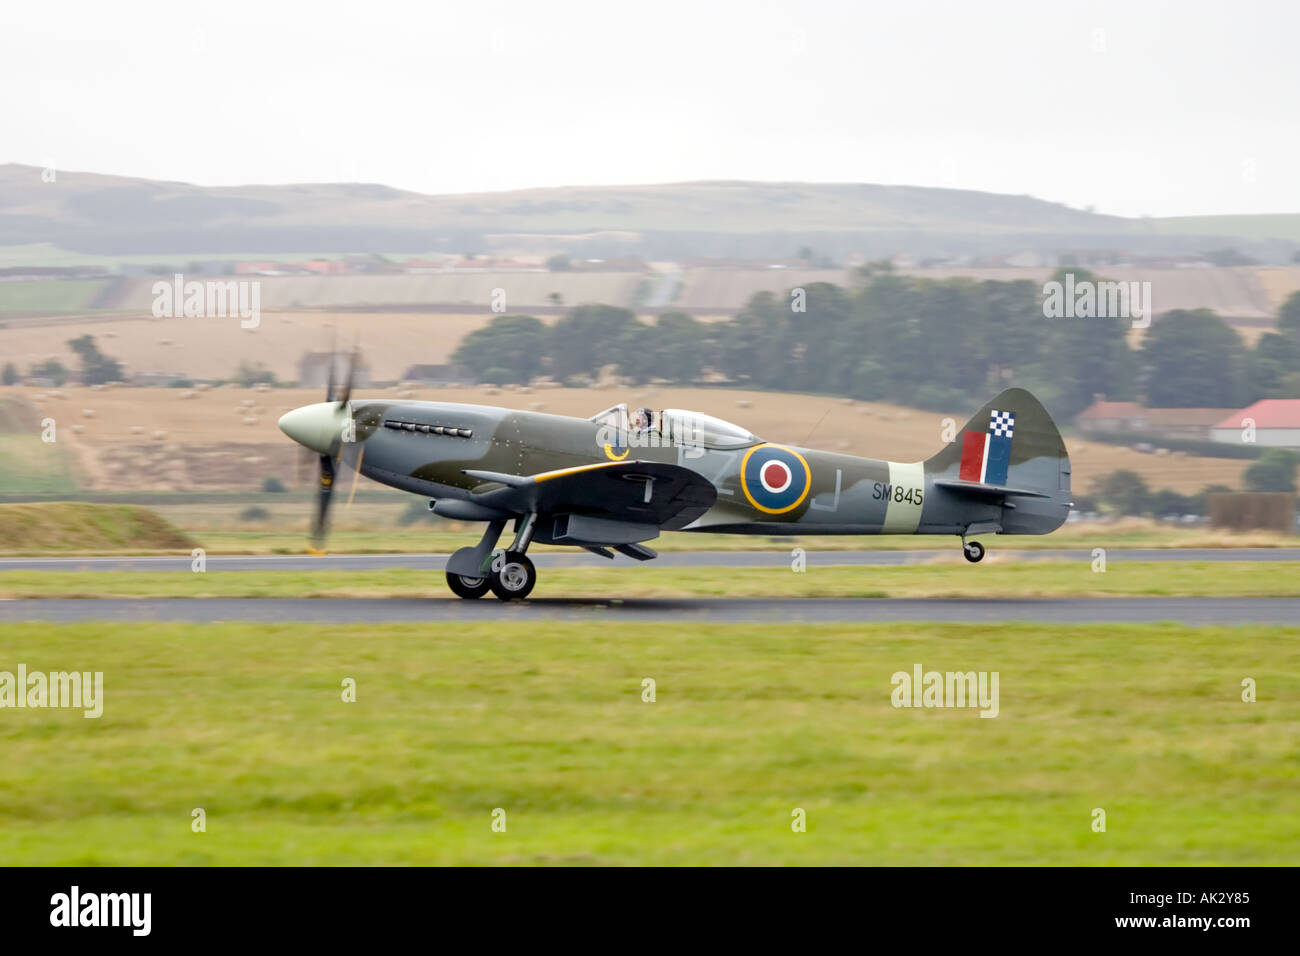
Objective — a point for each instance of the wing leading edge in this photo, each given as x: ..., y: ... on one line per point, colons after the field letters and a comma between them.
x: 642, y: 492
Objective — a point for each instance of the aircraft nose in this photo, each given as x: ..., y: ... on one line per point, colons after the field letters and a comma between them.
x: 314, y: 426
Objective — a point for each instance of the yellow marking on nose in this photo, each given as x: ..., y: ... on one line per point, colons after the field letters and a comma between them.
x: 356, y: 475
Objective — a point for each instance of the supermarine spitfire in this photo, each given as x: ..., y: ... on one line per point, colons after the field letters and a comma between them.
x: 613, y: 481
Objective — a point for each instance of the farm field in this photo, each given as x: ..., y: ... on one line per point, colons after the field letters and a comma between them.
x: 214, y: 348
x: 546, y: 723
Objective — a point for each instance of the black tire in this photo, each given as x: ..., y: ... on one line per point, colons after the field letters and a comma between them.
x: 469, y: 588
x: 974, y: 552
x: 513, y: 576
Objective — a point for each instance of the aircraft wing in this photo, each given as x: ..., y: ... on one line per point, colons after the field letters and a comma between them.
x: 644, y: 492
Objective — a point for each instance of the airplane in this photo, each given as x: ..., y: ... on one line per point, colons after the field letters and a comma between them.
x: 612, y: 482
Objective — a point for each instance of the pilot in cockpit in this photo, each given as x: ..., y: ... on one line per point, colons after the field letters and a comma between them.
x: 644, y: 419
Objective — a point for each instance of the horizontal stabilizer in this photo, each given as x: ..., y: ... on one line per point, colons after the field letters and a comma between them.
x: 978, y: 489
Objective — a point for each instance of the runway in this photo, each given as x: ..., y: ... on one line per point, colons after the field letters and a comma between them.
x: 666, y: 610
x: 671, y: 559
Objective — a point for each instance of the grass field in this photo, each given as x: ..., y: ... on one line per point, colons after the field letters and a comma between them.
x: 952, y: 578
x: 373, y: 527
x: 415, y: 539
x: 51, y: 295
x: 547, y: 723
x: 70, y: 527
x: 30, y: 466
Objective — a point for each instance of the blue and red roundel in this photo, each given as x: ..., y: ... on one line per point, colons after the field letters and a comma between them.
x: 774, y: 478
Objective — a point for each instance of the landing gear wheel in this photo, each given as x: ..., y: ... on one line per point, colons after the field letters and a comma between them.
x: 974, y: 552
x: 513, y: 576
x: 464, y: 587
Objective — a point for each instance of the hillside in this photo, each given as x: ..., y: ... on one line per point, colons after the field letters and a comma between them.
x: 115, y: 215
x: 82, y: 527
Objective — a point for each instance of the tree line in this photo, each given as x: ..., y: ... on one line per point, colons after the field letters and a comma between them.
x: 930, y: 343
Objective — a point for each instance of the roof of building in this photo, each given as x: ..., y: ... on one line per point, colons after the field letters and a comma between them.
x: 1110, y: 410
x: 1267, y: 413
x: 1153, y: 416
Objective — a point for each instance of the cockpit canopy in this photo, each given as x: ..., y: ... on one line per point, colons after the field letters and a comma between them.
x: 677, y: 426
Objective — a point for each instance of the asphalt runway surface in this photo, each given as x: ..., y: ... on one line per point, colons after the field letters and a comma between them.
x: 676, y: 611
x: 670, y: 559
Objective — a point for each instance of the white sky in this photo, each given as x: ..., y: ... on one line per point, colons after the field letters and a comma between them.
x: 1185, y: 108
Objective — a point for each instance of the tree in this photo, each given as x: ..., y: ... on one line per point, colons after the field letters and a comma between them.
x: 1274, y: 470
x: 1288, y: 317
x: 1193, y: 359
x: 1170, y: 504
x: 677, y: 347
x: 588, y: 338
x: 1274, y: 358
x: 508, y: 350
x: 755, y: 345
x: 10, y: 374
x: 1124, y: 491
x: 96, y: 367
x: 249, y: 375
x: 52, y: 369
x: 1230, y: 257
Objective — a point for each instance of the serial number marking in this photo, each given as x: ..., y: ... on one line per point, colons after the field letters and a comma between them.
x: 884, y: 491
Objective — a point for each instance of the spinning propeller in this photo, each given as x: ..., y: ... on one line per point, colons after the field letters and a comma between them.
x: 322, y: 428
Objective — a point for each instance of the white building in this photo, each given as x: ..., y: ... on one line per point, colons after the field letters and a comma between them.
x: 1274, y: 422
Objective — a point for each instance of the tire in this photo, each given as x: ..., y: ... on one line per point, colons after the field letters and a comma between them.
x: 974, y: 552
x: 513, y: 576
x: 468, y: 588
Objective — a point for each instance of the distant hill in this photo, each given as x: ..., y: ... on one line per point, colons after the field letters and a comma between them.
x: 115, y: 215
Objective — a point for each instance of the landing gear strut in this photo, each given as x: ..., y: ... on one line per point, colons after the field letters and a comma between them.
x: 513, y: 575
x: 467, y: 573
x: 510, y: 575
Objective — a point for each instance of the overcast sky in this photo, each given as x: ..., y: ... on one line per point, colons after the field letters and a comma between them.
x: 1136, y: 108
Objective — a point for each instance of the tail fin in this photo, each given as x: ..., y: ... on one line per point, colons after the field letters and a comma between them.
x: 1010, y: 451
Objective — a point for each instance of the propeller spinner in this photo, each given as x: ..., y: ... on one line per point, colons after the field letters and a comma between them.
x: 320, y: 428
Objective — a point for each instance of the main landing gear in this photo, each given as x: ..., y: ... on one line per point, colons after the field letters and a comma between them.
x: 973, y: 550
x: 510, y: 575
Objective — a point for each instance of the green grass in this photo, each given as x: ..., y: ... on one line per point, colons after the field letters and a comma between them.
x: 64, y: 527
x: 546, y: 721
x: 48, y: 295
x: 1257, y: 226
x: 29, y: 465
x: 384, y: 538
x: 956, y: 579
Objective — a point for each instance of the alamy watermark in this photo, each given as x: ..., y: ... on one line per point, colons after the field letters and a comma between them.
x: 650, y: 429
x: 1086, y: 299
x: 76, y: 689
x: 922, y: 688
x: 210, y: 299
x: 78, y: 908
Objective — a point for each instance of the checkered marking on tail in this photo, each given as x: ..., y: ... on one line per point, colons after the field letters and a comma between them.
x: 986, y: 456
x: 1002, y: 424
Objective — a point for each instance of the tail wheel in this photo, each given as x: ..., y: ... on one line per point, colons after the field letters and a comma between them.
x: 462, y: 586
x: 513, y: 576
x: 974, y: 552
